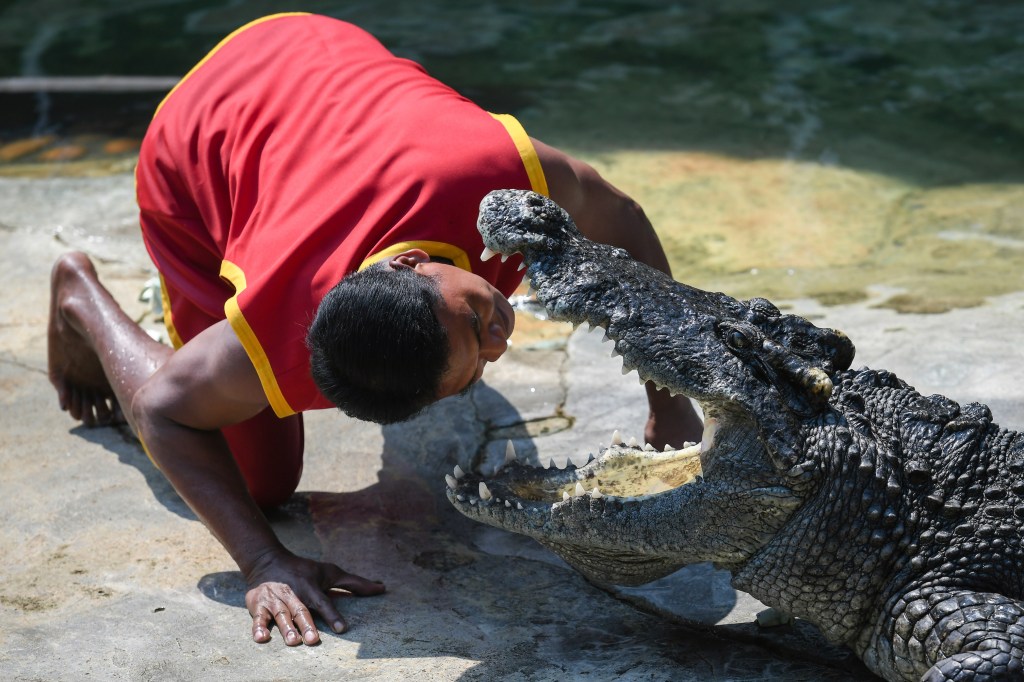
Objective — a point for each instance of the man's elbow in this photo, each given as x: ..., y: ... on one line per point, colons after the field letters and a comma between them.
x: 146, y: 412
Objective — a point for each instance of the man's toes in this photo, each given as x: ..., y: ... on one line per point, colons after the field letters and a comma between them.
x: 74, y: 403
x: 102, y: 410
x: 62, y: 395
x: 88, y: 409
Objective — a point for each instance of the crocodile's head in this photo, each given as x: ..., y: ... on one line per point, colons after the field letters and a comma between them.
x: 633, y: 515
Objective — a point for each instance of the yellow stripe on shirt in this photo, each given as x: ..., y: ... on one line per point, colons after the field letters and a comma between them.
x: 165, y: 301
x: 435, y: 249
x: 233, y: 274
x: 527, y: 152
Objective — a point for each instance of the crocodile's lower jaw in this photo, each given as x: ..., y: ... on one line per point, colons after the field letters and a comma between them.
x: 625, y: 472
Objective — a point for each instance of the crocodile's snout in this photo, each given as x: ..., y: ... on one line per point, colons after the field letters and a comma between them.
x: 518, y: 221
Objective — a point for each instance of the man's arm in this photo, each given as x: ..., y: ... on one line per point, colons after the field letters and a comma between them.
x: 605, y: 214
x: 207, y: 384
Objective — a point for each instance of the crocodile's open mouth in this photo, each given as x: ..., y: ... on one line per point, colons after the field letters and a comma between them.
x: 753, y: 371
x: 603, y: 516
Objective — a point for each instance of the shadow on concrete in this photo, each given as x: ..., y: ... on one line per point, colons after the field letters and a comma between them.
x: 440, y: 566
x: 120, y: 441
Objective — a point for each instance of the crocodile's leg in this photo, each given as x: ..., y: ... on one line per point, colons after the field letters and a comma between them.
x: 939, y: 634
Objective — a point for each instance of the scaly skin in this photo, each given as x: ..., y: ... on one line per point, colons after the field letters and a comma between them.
x: 891, y: 520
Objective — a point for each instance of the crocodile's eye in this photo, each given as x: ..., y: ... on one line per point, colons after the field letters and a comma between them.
x: 738, y: 340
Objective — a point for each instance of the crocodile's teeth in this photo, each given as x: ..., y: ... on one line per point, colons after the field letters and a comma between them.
x: 648, y: 447
x: 487, y: 254
x: 667, y: 447
x: 616, y: 438
x: 485, y: 492
x: 459, y: 473
x: 507, y: 503
x: 626, y: 369
x: 450, y: 480
x: 596, y: 493
x: 510, y: 452
x: 460, y: 498
x: 632, y: 442
x: 504, y: 257
x: 565, y: 496
x: 519, y: 506
x: 551, y: 464
x: 579, y: 489
x: 522, y: 266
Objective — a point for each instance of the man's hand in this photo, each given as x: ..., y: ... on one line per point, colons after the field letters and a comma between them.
x: 281, y: 586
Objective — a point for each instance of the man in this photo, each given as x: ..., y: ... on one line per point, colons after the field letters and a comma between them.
x: 310, y: 200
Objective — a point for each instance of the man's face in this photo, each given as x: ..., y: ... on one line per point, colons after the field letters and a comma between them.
x: 478, y: 319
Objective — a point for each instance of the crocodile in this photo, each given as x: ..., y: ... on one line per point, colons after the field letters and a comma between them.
x: 889, y: 519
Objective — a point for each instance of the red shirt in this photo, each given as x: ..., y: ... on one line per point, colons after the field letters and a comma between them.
x: 297, y: 151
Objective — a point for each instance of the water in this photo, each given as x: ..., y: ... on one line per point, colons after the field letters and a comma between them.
x: 843, y: 151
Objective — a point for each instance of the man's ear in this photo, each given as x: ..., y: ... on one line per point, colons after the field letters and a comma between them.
x: 408, y: 259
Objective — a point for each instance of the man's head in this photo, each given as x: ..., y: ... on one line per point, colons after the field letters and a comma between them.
x: 403, y: 333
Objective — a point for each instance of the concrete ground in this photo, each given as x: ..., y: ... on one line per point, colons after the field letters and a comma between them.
x: 106, y: 574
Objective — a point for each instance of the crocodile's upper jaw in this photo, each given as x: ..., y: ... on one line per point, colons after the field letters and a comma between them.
x: 705, y: 345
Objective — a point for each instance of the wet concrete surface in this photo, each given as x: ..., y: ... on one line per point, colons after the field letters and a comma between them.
x: 107, y: 574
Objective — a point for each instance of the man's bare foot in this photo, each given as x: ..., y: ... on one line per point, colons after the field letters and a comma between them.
x: 74, y: 368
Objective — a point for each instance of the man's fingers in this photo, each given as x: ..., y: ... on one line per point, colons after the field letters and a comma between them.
x: 303, y: 620
x: 284, y: 605
x: 357, y: 585
x: 261, y: 626
x: 323, y: 605
x: 283, y: 618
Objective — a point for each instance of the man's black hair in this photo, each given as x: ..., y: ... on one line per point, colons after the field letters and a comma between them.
x: 377, y: 348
